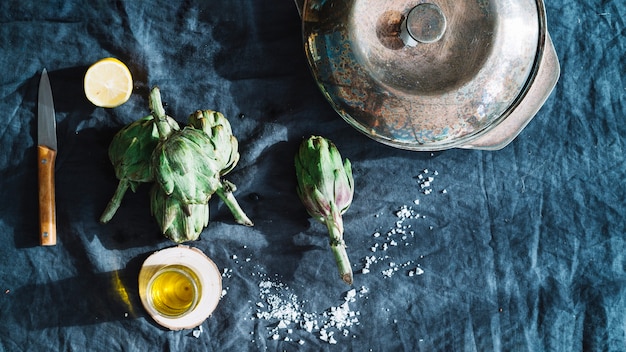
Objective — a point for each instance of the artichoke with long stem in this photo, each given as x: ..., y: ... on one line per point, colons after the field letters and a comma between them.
x: 187, y: 166
x: 130, y: 153
x: 186, y: 174
x: 217, y: 128
x: 326, y: 188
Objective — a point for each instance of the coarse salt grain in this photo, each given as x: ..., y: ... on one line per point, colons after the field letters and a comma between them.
x: 197, y: 332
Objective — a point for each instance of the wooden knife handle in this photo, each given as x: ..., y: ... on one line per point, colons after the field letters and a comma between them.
x: 47, y: 207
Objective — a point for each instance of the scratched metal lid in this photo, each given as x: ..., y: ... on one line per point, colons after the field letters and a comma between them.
x: 431, y: 75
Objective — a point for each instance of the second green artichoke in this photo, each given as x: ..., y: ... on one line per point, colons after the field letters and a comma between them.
x: 326, y: 188
x: 130, y: 153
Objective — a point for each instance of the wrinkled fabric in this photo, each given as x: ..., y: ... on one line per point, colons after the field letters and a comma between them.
x: 521, y: 249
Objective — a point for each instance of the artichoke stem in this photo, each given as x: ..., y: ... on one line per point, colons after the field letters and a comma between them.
x: 225, y: 192
x: 115, y: 202
x: 338, y: 247
x: 160, y: 119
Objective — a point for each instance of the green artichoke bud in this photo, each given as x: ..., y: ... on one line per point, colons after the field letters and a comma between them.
x: 186, y: 166
x: 178, y: 222
x: 326, y: 188
x: 217, y: 127
x: 130, y: 152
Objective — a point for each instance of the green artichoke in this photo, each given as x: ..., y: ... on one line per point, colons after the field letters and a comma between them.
x: 218, y: 129
x: 130, y: 152
x: 186, y: 174
x: 326, y: 188
x: 178, y: 222
x: 186, y: 166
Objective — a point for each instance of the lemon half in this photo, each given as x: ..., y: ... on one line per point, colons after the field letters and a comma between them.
x: 108, y: 83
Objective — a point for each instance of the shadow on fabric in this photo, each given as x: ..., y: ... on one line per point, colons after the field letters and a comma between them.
x: 89, y: 298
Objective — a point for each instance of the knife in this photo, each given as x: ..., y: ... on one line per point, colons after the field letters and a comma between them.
x: 46, y: 153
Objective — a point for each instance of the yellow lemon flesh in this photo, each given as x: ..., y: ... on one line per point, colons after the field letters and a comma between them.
x: 108, y: 83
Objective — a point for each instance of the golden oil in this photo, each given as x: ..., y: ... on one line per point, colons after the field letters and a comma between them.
x: 174, y: 290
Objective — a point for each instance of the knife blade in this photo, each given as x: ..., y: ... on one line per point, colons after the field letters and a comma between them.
x: 46, y: 153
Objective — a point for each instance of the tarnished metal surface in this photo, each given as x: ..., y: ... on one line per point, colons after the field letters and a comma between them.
x: 434, y: 95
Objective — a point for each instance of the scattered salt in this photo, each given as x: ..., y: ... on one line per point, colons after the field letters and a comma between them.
x: 350, y: 295
x: 197, y: 332
x: 402, y: 231
x: 286, y: 313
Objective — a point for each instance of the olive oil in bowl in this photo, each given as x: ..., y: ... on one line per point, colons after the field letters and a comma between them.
x: 174, y: 291
x: 179, y: 287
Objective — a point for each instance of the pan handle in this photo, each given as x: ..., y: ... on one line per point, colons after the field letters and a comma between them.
x: 543, y: 85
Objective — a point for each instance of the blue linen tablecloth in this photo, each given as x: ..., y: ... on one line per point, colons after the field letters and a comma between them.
x: 521, y: 249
